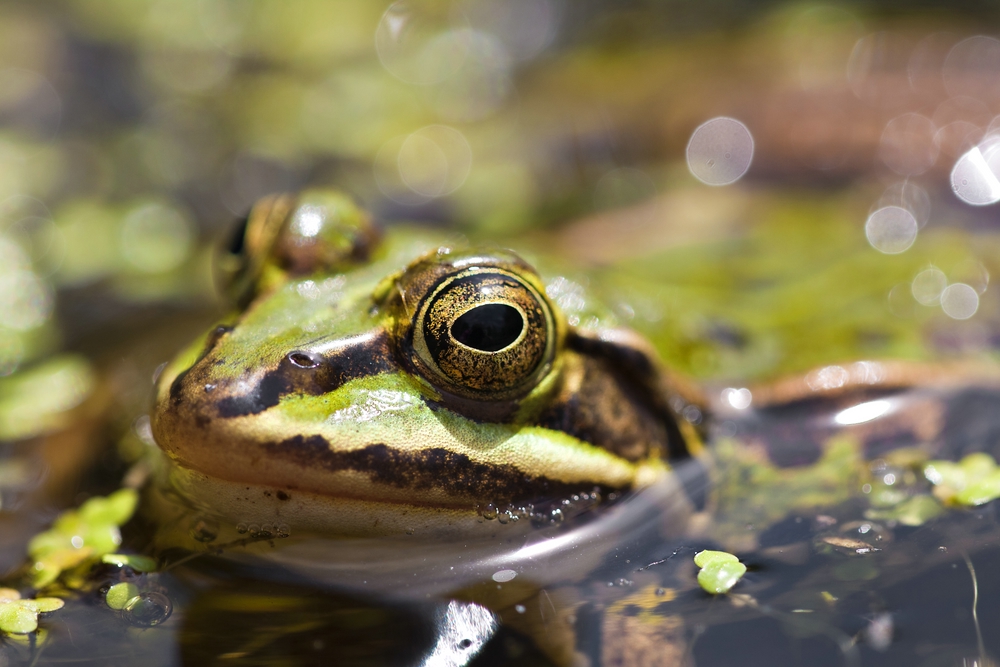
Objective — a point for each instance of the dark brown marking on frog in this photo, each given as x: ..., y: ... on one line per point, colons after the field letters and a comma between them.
x: 283, y: 496
x: 177, y: 386
x: 480, y: 412
x: 434, y: 467
x: 366, y: 356
x: 613, y: 399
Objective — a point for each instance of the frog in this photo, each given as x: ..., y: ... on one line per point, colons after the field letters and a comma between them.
x: 376, y: 395
x: 408, y: 399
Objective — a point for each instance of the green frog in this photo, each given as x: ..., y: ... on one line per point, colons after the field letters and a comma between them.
x: 385, y: 389
x: 402, y: 415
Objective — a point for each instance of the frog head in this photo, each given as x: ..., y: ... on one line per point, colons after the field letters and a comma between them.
x: 368, y: 386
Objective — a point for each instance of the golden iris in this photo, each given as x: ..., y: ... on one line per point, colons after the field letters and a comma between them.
x: 485, y: 332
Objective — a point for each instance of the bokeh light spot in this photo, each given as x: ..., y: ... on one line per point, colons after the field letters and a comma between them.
x: 415, y: 44
x: 739, y: 399
x: 25, y: 300
x: 891, y: 229
x: 908, y: 195
x: 480, y: 85
x: 525, y: 27
x: 432, y: 162
x: 928, y: 285
x: 974, y: 176
x: 971, y: 64
x: 907, y: 145
x: 959, y: 301
x: 720, y: 151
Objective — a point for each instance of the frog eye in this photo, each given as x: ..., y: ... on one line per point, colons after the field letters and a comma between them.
x: 291, y: 236
x: 485, y: 333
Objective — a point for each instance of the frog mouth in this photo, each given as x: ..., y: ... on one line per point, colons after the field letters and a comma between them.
x: 435, y: 470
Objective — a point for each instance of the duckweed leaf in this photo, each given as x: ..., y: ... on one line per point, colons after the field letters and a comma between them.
x: 704, y: 558
x: 719, y: 577
x: 115, y: 509
x: 79, y: 535
x: 719, y: 571
x: 120, y: 594
x: 137, y: 563
x: 21, y: 616
x: 16, y: 619
x: 915, y: 511
x: 975, y: 480
x: 42, y: 605
x: 980, y: 491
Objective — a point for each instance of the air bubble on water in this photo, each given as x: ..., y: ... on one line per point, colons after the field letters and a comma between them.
x: 242, y: 528
x: 503, y: 576
x: 147, y: 609
x: 205, y: 530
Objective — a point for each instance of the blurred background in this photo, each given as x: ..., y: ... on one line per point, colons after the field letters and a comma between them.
x: 791, y: 182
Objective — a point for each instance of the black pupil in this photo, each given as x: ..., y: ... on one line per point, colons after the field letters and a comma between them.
x: 236, y: 240
x: 490, y: 327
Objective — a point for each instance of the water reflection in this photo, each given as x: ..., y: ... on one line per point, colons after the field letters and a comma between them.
x: 462, y: 630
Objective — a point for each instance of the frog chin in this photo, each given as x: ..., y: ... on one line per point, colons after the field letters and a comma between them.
x: 241, y: 510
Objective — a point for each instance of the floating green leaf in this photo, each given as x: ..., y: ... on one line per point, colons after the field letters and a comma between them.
x: 975, y: 480
x: 17, y: 619
x: 704, y: 558
x: 19, y: 616
x: 719, y: 571
x: 42, y: 605
x: 137, y: 563
x: 119, y: 595
x: 81, y: 535
x: 914, y: 511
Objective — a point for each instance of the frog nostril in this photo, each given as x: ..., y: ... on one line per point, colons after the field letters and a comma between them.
x: 302, y: 359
